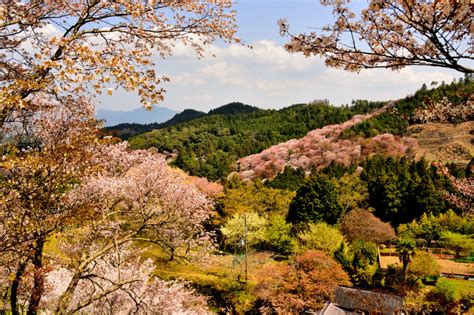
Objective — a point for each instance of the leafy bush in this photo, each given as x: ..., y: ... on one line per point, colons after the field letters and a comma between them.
x: 321, y: 236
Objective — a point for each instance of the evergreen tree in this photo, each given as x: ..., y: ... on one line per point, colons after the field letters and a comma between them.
x: 315, y: 201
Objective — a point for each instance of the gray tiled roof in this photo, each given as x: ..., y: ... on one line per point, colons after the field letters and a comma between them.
x: 368, y: 301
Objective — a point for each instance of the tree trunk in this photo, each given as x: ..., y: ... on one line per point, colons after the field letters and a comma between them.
x: 66, y: 297
x: 38, y: 282
x: 405, y: 261
x: 15, y: 286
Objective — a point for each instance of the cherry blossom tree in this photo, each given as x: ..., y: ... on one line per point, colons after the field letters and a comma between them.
x: 85, y: 47
x: 322, y: 146
x: 59, y: 144
x: 360, y: 224
x: 465, y: 188
x: 391, y: 34
x: 102, y: 203
x: 120, y: 283
x: 74, y: 202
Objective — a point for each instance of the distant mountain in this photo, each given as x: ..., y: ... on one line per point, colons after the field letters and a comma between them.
x: 139, y: 115
x: 128, y: 129
x: 234, y: 108
x: 184, y: 116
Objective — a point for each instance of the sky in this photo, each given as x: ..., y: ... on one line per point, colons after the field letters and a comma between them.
x: 266, y: 75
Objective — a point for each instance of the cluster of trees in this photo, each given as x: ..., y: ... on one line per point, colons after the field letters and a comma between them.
x: 401, y: 190
x: 347, y: 212
x: 320, y: 147
x: 210, y: 146
x: 78, y: 211
x: 448, y: 230
x: 345, y: 238
x: 72, y: 208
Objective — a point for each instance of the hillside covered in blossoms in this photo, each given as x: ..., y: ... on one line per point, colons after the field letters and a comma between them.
x: 338, y: 178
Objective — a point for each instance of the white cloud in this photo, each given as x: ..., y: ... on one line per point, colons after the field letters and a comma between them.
x: 267, y: 76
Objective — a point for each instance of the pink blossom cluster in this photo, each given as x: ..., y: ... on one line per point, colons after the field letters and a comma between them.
x: 445, y: 111
x: 211, y: 189
x: 465, y: 187
x: 139, y: 188
x: 132, y: 289
x: 133, y: 198
x: 319, y: 148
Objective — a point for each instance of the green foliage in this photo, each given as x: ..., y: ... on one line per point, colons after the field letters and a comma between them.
x: 321, y: 236
x: 209, y: 146
x: 461, y: 244
x: 365, y: 106
x: 315, y: 201
x: 265, y: 234
x: 383, y: 123
x: 290, y: 179
x: 447, y: 292
x: 337, y: 170
x: 363, y: 264
x: 455, y: 296
x: 234, y: 108
x: 249, y: 226
x: 278, y: 236
x: 406, y: 249
x: 401, y: 191
x: 395, y: 280
x: 450, y: 221
x: 341, y: 255
x: 456, y: 171
x: 430, y: 227
x: 397, y: 120
x: 242, y: 197
x: 352, y: 191
x: 423, y: 265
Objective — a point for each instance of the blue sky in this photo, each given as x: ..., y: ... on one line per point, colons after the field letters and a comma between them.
x: 267, y: 76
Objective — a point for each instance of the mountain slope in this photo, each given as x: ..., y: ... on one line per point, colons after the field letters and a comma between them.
x: 322, y: 146
x: 210, y: 146
x: 127, y: 130
x: 363, y: 136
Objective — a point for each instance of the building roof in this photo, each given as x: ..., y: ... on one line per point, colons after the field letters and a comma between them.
x: 333, y: 309
x: 368, y: 301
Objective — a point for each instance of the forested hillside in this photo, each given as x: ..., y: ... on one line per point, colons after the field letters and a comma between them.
x: 127, y: 130
x: 453, y: 97
x: 383, y: 131
x: 210, y: 146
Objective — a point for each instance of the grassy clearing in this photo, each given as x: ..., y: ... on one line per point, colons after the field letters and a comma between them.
x: 221, y: 277
x: 463, y: 287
